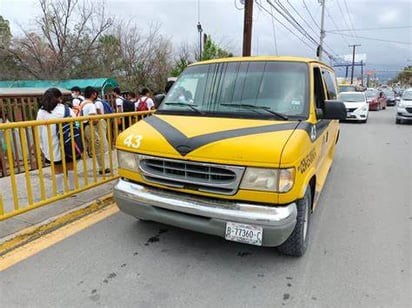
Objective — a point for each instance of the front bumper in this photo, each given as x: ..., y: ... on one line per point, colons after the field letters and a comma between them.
x: 202, y: 214
x: 403, y: 114
x: 357, y: 115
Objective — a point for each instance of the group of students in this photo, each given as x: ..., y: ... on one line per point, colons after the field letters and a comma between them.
x: 52, y: 107
x: 131, y: 102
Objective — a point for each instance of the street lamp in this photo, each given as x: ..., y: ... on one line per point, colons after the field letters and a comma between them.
x: 200, y: 30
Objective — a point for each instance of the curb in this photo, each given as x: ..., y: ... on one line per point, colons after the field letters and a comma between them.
x: 22, y: 237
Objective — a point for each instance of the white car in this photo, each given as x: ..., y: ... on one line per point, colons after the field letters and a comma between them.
x: 404, y: 107
x: 356, y: 104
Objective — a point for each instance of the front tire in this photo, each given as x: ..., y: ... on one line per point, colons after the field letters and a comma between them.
x: 297, y: 242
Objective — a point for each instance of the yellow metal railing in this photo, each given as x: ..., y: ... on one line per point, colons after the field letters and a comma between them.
x: 26, y: 185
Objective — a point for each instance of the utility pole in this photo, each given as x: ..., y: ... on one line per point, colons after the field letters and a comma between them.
x: 200, y: 30
x: 353, y: 61
x: 362, y: 72
x: 322, y: 31
x: 247, y: 28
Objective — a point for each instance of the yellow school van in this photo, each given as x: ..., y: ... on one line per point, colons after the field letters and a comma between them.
x: 239, y: 148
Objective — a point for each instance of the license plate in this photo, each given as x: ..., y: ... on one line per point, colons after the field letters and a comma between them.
x: 243, y: 233
x: 349, y: 114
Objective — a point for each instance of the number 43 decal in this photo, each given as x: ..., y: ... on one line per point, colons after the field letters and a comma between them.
x: 133, y: 141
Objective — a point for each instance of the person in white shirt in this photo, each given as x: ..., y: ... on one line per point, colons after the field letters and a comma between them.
x: 118, y: 99
x: 144, y: 102
x: 100, y: 110
x: 77, y: 99
x: 52, y: 107
x: 99, y: 148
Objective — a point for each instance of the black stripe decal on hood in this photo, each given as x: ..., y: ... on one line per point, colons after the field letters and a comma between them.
x: 185, y: 145
x: 321, y: 125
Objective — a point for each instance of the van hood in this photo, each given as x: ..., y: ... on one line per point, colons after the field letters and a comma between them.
x: 209, y: 139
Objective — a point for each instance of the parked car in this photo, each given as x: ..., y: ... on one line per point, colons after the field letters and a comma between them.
x: 356, y: 105
x: 404, y: 108
x: 390, y: 97
x: 376, y: 99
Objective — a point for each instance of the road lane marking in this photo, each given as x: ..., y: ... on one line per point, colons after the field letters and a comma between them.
x: 21, y: 253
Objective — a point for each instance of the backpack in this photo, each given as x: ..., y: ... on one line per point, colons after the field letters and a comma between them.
x: 106, y: 106
x: 68, y: 139
x: 76, y: 109
x: 142, y: 105
x: 128, y: 106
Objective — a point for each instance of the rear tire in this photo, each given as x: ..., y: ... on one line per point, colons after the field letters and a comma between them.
x: 297, y: 242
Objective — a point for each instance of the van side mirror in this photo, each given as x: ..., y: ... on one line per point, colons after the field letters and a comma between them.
x: 334, y: 110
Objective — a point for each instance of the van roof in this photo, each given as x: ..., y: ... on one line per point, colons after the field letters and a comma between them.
x: 261, y: 58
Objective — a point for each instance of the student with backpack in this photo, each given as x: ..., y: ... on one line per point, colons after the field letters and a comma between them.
x: 77, y: 99
x: 122, y: 105
x: 52, y: 107
x: 88, y: 108
x: 104, y: 107
x: 144, y: 103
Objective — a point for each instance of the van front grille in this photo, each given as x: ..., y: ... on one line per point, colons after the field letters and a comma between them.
x: 212, y: 178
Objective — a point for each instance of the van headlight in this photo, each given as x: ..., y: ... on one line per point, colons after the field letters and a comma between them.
x: 275, y: 180
x: 128, y: 160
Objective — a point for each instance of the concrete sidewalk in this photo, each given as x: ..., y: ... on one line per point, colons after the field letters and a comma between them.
x: 11, y: 227
x: 42, y: 215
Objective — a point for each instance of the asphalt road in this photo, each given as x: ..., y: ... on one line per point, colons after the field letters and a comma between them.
x: 360, y: 253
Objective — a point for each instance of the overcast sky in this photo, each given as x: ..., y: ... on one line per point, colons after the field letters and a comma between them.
x: 383, y: 28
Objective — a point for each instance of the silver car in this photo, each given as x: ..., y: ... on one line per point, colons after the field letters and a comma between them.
x: 404, y: 107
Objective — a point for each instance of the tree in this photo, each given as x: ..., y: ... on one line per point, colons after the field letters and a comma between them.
x: 405, y: 77
x: 8, y: 64
x: 66, y: 43
x: 212, y: 51
x: 182, y: 60
x: 145, y: 59
x: 187, y: 55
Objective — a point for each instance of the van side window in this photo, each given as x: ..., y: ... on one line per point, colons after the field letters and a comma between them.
x: 330, y: 84
x: 319, y: 90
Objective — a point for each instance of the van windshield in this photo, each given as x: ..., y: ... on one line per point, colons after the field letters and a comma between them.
x: 264, y: 89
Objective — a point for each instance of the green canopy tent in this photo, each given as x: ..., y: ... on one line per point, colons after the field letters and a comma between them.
x: 100, y: 84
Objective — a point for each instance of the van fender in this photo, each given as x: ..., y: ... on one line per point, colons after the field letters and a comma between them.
x: 309, y: 179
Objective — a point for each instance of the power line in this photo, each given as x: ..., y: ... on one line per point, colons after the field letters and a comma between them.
x: 284, y: 12
x: 307, y: 9
x: 349, y: 17
x: 238, y: 8
x: 370, y: 29
x: 300, y: 29
x: 375, y: 39
x: 344, y: 19
x: 274, y: 33
x: 274, y: 17
x: 297, y: 13
x: 333, y: 21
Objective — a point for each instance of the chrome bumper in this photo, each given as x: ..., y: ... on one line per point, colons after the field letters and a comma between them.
x: 203, y: 214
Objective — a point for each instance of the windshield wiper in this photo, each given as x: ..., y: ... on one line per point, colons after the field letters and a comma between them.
x: 191, y: 106
x: 279, y: 115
